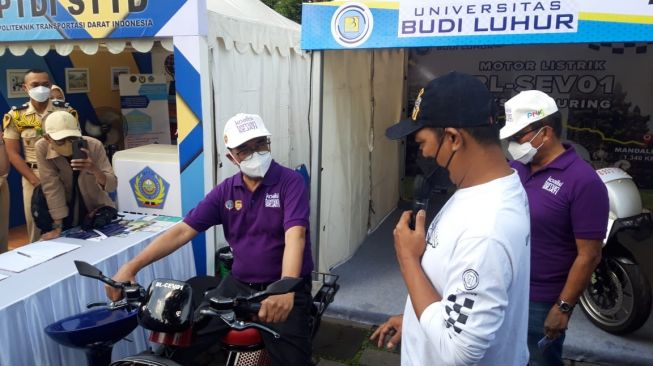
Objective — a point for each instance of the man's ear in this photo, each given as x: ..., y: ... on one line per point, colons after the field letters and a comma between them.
x: 546, y: 133
x: 231, y: 157
x: 455, y: 137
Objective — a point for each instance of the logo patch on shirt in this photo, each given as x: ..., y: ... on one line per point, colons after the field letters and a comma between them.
x: 229, y: 204
x: 552, y: 185
x: 238, y: 204
x: 432, y: 239
x: 272, y: 200
x: 470, y: 279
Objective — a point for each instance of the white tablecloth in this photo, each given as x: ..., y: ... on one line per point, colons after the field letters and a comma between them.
x: 41, y: 295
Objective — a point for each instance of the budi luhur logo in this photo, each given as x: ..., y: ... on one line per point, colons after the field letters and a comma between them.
x: 352, y: 24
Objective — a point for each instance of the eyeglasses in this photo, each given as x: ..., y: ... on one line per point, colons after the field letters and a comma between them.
x: 520, y: 135
x: 260, y: 147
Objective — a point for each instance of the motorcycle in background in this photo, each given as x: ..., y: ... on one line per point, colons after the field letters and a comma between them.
x: 618, y: 298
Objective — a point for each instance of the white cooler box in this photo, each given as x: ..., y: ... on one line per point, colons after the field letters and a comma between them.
x: 149, y: 180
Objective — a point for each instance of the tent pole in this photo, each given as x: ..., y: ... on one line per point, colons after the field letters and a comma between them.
x: 317, y: 76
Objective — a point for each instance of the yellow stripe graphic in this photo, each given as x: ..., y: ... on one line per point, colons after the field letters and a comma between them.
x: 616, y: 18
x: 370, y: 4
x: 586, y: 129
x: 98, y: 25
x: 186, y: 119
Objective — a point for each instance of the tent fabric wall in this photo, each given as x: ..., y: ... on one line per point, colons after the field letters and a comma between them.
x: 268, y: 84
x: 388, y: 93
x: 257, y: 68
x: 359, y: 170
x: 250, y: 23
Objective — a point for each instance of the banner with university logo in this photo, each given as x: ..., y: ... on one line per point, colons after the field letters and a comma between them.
x: 425, y: 23
x: 603, y: 91
x: 39, y: 20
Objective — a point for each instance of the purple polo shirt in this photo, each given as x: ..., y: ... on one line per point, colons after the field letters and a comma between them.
x: 255, y: 223
x: 568, y: 201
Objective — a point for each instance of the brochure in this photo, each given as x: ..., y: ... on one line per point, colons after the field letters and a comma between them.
x: 30, y: 255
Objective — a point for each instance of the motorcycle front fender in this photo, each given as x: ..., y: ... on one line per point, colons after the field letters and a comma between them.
x: 617, y: 251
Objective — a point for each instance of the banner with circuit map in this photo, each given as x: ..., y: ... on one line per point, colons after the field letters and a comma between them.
x: 603, y: 91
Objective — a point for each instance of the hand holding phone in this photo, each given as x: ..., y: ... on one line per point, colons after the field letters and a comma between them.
x: 419, y: 204
x: 544, y: 343
x: 78, y: 153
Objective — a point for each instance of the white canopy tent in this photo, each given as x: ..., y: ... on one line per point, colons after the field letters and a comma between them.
x: 89, y: 47
x: 361, y: 94
x: 257, y: 67
x: 334, y: 124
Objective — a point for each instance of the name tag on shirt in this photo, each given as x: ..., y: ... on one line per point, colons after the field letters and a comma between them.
x: 272, y: 200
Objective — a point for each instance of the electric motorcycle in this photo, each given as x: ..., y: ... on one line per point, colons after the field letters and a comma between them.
x: 618, y: 298
x: 172, y: 311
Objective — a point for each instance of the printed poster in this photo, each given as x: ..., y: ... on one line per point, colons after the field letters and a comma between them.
x: 144, y: 103
x: 603, y: 92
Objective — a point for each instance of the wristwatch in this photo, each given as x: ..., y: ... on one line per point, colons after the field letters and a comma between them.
x: 565, y: 307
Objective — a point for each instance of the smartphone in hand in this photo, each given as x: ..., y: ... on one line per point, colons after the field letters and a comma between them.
x: 544, y: 343
x: 418, y: 204
x: 77, y: 149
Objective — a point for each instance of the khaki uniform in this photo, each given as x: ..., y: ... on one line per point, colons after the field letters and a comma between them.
x: 24, y: 123
x: 57, y: 179
x: 4, y: 213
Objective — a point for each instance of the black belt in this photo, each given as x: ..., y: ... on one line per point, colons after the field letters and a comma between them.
x: 263, y: 285
x: 32, y: 165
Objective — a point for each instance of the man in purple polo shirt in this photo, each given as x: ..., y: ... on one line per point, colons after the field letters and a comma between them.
x: 264, y: 213
x: 569, y: 215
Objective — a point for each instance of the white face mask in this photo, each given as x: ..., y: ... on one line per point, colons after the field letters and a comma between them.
x: 39, y: 94
x: 525, y: 152
x: 257, y: 165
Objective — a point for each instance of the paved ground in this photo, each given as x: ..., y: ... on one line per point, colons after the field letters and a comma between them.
x: 340, y: 343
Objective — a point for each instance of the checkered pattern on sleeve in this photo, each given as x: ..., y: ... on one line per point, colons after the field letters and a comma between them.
x: 458, y: 311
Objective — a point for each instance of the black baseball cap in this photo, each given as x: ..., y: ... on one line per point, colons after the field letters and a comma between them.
x: 452, y: 100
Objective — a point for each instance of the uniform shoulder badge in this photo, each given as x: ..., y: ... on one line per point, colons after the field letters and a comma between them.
x: 73, y: 111
x: 20, y: 108
x: 6, y: 120
x: 61, y: 104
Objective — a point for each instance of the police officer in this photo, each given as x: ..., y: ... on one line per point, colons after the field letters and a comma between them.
x: 22, y: 126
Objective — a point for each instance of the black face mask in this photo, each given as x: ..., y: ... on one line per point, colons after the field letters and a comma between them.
x: 439, y: 176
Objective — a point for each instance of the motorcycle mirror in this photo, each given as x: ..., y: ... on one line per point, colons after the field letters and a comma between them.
x: 88, y: 270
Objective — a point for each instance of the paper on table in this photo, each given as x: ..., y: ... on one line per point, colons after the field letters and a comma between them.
x: 27, y: 256
x: 2, y: 277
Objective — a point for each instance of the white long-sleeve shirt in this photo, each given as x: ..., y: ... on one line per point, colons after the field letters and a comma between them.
x: 478, y: 258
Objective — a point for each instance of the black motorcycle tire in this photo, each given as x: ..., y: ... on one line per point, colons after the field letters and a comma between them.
x: 619, y: 301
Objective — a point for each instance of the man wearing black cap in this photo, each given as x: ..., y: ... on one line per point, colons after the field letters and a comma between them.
x: 467, y: 275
